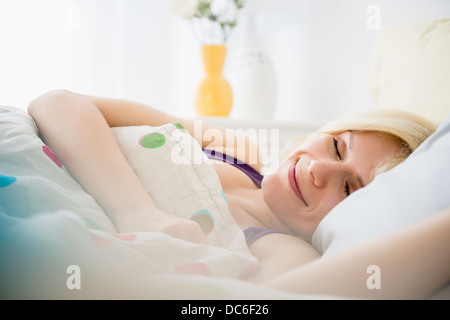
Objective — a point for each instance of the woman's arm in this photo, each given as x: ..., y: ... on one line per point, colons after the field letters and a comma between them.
x: 280, y: 253
x: 118, y: 113
x: 77, y: 130
x: 411, y: 263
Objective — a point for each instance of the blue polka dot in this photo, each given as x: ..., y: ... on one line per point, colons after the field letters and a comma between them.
x: 205, y: 219
x: 224, y: 196
x: 6, y: 180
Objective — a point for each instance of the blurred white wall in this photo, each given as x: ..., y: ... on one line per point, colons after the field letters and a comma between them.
x: 322, y: 48
x: 35, y: 49
x: 137, y: 49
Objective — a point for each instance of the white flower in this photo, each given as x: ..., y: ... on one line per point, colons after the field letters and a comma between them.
x: 184, y: 8
x: 225, y: 10
x: 212, y: 20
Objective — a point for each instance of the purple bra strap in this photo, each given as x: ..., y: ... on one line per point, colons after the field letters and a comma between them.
x: 253, y: 233
x: 248, y: 170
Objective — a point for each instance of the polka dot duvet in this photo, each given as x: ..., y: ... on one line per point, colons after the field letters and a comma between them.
x: 48, y: 219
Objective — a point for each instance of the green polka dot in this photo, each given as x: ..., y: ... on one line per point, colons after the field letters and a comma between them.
x: 205, y: 219
x: 91, y: 224
x: 178, y: 125
x: 152, y: 140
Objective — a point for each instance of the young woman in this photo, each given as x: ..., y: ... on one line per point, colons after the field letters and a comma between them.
x: 278, y: 213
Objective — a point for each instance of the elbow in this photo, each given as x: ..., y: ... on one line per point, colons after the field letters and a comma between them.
x: 46, y: 102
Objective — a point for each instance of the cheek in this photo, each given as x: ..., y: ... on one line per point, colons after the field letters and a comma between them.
x: 270, y: 185
x: 306, y: 224
x: 274, y: 193
x: 326, y: 204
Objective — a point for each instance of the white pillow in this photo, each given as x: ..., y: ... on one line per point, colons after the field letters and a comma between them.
x: 410, y: 68
x: 415, y: 189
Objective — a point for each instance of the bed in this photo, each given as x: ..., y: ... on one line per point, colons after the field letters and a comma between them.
x: 57, y: 243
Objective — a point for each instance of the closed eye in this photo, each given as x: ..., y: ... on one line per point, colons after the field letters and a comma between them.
x: 347, y: 189
x: 336, y: 148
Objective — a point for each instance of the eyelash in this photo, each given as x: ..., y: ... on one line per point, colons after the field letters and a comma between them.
x: 335, y: 144
x: 347, y: 189
x: 336, y: 149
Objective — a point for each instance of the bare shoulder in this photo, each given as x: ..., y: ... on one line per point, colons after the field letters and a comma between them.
x: 235, y: 144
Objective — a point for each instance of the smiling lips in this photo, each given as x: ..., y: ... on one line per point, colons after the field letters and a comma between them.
x: 294, y: 183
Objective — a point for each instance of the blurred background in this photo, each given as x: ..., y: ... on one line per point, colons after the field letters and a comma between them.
x: 317, y: 52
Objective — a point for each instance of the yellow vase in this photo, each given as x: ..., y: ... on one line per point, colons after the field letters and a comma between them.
x: 214, y: 95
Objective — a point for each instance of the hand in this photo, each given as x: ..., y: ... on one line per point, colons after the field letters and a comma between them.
x: 157, y: 221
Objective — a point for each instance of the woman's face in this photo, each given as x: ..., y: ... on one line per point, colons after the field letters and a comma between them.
x: 322, y: 172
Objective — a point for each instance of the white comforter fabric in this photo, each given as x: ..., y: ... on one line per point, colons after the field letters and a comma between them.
x: 51, y: 227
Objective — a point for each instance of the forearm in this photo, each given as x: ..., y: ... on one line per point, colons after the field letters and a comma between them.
x: 77, y: 132
x: 76, y: 129
x: 413, y: 262
x: 119, y: 113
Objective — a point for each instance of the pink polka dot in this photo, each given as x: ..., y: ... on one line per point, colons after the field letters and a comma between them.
x: 193, y: 268
x: 101, y: 241
x: 248, y: 271
x: 49, y: 153
x: 125, y: 237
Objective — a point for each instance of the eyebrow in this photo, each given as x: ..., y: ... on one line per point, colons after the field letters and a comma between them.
x: 350, y: 141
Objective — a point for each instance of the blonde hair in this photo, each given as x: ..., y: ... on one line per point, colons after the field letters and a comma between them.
x: 407, y: 128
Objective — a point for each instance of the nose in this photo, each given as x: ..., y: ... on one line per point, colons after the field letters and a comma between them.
x: 322, y: 172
